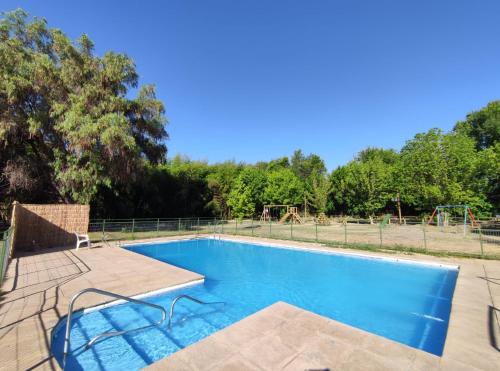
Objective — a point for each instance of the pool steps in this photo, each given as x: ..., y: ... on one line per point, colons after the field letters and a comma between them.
x: 128, y: 299
x: 105, y: 334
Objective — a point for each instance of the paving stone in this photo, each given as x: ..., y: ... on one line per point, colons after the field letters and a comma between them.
x: 38, y: 287
x: 269, y: 353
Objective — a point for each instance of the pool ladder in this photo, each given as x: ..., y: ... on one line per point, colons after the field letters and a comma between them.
x: 172, y: 306
x: 105, y: 334
x: 92, y: 341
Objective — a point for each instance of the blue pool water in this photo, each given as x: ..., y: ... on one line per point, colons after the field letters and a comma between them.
x: 408, y: 303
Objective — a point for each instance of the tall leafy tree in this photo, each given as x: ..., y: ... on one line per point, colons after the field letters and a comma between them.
x: 318, y: 192
x: 67, y: 124
x: 278, y: 164
x: 305, y: 166
x: 283, y: 187
x: 483, y: 125
x: 220, y: 181
x: 485, y: 181
x: 191, y: 194
x: 438, y: 168
x: 246, y: 197
x: 365, y: 185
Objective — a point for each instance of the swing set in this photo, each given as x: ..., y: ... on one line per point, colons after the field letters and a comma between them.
x: 441, y: 212
x: 274, y: 212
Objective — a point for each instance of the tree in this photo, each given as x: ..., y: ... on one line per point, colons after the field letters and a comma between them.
x: 192, y: 194
x: 67, y: 126
x: 485, y: 180
x: 305, y: 166
x: 278, y: 164
x: 365, y: 185
x: 246, y: 197
x: 220, y: 182
x: 439, y: 168
x: 283, y: 187
x: 483, y: 125
x: 319, y: 192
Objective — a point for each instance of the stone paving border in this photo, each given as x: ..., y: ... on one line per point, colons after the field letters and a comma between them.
x: 471, y: 344
x: 38, y: 287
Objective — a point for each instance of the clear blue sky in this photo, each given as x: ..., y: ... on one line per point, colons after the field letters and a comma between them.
x: 254, y: 80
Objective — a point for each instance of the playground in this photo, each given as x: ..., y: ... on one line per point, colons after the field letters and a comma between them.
x: 450, y: 228
x: 360, y: 231
x: 414, y: 233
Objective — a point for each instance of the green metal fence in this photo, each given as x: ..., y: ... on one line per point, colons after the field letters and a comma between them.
x: 119, y: 229
x: 414, y: 235
x: 5, y: 244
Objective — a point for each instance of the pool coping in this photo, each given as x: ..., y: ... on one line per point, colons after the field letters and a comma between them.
x: 144, y: 295
x: 467, y: 345
x: 285, y: 246
x: 466, y: 319
x: 312, y: 249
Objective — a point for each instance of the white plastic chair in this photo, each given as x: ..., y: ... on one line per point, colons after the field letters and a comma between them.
x: 82, y: 238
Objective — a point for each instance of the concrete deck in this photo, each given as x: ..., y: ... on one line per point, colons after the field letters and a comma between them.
x: 284, y: 337
x: 36, y: 293
x: 38, y: 287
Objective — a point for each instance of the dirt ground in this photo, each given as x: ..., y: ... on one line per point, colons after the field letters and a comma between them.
x: 432, y: 238
x: 425, y: 237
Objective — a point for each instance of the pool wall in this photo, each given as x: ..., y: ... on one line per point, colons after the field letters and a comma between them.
x: 312, y: 249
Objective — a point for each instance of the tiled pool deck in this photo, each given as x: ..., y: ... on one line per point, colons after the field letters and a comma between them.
x: 38, y: 286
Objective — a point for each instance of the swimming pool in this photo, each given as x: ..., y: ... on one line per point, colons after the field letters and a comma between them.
x: 400, y: 300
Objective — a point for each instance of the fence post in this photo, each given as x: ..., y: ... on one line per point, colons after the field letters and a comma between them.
x: 198, y: 227
x: 252, y: 226
x: 103, y: 228
x: 316, y: 225
x: 291, y: 229
x: 157, y: 227
x: 380, y: 231
x: 222, y: 227
x: 481, y: 240
x: 345, y: 232
x: 425, y: 236
x: 3, y: 249
x: 270, y: 227
x: 179, y: 225
x: 236, y: 226
x: 133, y: 229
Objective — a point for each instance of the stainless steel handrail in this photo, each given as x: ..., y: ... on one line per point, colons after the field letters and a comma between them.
x: 106, y: 334
x: 189, y: 298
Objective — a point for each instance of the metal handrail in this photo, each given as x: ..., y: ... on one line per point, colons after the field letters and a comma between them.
x: 106, y: 334
x: 189, y: 298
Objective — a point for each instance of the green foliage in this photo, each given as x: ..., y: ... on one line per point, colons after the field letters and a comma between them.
x: 305, y: 166
x: 67, y: 127
x: 483, y: 126
x: 220, y: 182
x: 277, y: 164
x: 438, y: 169
x: 246, y: 197
x: 486, y: 179
x: 283, y: 187
x: 70, y: 132
x: 318, y: 192
x: 365, y: 185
